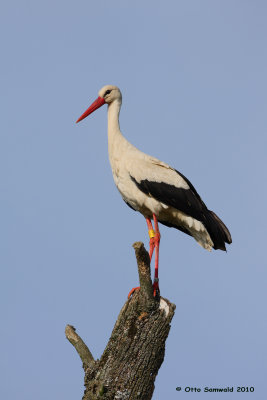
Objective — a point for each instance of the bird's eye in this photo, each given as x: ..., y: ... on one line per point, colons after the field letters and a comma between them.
x: 107, y: 92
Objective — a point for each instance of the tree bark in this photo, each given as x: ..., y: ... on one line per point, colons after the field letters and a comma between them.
x: 135, y: 351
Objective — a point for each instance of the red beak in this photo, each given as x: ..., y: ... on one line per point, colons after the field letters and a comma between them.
x: 96, y: 104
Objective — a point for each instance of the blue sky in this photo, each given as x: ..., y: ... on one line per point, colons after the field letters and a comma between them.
x: 193, y: 79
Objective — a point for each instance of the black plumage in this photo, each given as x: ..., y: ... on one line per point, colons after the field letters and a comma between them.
x: 190, y: 203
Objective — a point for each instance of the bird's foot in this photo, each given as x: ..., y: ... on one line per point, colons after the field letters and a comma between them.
x: 133, y: 290
x: 156, y: 291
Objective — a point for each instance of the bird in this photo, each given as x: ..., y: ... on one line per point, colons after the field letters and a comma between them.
x: 158, y: 191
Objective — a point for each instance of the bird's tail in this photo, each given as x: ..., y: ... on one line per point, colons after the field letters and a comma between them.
x: 219, y: 233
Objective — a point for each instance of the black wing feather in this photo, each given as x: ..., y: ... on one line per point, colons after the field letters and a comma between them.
x: 190, y: 203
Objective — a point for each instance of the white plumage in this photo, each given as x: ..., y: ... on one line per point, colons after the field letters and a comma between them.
x: 152, y: 187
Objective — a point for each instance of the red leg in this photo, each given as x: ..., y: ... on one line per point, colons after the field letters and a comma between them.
x: 156, y: 241
x: 151, y: 235
x: 151, y: 248
x: 153, y: 243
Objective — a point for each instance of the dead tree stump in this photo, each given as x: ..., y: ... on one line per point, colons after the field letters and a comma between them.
x: 135, y: 351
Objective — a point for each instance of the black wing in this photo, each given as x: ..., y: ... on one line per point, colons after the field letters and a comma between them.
x: 189, y: 202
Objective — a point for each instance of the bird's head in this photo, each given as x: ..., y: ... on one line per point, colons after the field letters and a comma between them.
x: 110, y: 93
x: 107, y: 95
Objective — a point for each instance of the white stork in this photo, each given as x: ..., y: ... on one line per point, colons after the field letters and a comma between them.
x: 155, y: 189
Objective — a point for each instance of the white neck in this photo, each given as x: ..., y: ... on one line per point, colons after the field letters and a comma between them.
x: 114, y: 133
x: 118, y: 146
x: 113, y: 118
